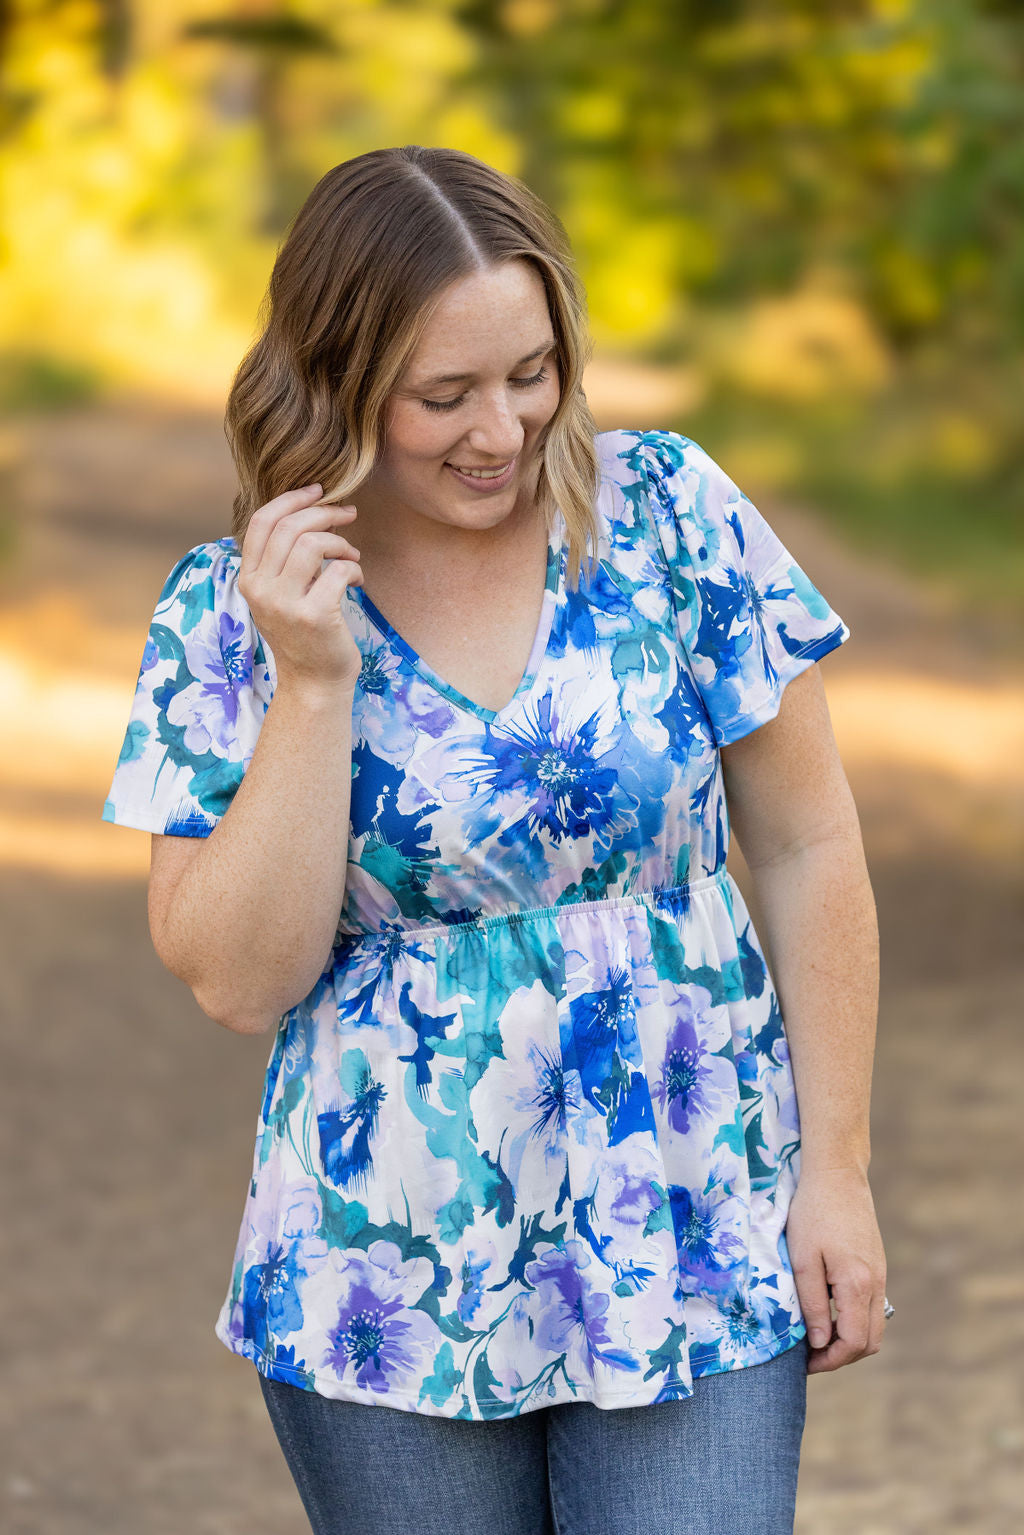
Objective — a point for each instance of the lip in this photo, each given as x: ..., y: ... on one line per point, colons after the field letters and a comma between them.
x: 484, y: 486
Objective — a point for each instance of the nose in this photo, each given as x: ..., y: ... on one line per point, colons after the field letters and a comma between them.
x: 497, y: 431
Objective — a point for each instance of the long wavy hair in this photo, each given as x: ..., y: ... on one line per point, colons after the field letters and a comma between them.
x: 363, y: 265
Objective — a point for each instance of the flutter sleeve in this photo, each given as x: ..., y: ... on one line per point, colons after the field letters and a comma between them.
x: 204, y: 685
x: 749, y: 617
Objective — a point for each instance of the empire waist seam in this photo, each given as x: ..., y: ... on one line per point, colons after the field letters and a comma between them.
x: 665, y: 897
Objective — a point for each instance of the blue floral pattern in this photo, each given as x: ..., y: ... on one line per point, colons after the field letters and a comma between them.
x: 532, y: 1137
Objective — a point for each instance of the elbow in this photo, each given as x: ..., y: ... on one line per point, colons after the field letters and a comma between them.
x: 263, y: 1023
x: 249, y: 1025
x: 216, y: 1008
x: 231, y: 1019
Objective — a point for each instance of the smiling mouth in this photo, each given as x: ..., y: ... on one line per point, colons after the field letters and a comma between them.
x: 483, y: 474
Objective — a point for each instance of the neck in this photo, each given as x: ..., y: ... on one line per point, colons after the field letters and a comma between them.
x: 402, y: 537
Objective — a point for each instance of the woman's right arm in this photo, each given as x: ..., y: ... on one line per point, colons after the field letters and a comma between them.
x: 248, y: 917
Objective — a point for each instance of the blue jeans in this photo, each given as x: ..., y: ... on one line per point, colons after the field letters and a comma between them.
x: 721, y: 1462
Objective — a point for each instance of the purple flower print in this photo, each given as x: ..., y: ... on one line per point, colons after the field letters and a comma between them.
x: 711, y: 1232
x: 569, y: 1314
x: 688, y: 1081
x: 220, y: 659
x: 625, y: 1197
x: 379, y: 1335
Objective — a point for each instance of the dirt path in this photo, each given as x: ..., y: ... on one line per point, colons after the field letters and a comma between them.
x: 128, y: 1117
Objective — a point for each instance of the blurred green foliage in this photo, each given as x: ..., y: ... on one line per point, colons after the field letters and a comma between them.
x: 38, y: 381
x: 814, y: 208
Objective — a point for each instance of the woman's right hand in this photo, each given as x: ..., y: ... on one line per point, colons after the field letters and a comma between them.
x: 296, y: 608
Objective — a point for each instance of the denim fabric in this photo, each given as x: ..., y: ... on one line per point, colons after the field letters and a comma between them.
x: 721, y: 1462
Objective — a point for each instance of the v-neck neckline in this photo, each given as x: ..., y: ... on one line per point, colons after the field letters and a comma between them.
x: 538, y: 650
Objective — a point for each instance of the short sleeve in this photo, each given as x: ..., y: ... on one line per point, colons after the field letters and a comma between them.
x: 204, y: 686
x: 749, y: 617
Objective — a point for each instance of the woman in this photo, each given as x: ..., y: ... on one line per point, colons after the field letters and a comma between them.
x: 529, y: 1167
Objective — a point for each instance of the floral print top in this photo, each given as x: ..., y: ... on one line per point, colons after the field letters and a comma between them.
x: 532, y: 1136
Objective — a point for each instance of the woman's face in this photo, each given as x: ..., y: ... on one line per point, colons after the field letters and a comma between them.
x: 478, y: 393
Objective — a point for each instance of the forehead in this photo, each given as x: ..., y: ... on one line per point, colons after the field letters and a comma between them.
x: 494, y: 317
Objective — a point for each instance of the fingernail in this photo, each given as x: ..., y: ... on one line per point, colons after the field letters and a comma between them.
x: 819, y: 1337
x: 315, y: 486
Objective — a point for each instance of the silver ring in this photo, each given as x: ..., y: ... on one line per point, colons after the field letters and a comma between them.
x: 887, y: 1309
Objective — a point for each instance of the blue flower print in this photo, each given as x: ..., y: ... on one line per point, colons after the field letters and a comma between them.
x: 284, y: 1258
x: 532, y: 1135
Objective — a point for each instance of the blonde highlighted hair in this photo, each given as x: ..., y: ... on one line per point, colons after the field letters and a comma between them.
x: 364, y: 262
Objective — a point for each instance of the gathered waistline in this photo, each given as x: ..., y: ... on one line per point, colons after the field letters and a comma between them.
x: 661, y: 896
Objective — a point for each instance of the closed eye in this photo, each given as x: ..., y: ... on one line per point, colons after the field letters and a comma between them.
x: 520, y: 383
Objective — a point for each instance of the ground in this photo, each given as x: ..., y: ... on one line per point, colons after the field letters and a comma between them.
x: 128, y: 1117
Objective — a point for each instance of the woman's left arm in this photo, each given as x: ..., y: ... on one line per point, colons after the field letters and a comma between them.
x: 793, y: 815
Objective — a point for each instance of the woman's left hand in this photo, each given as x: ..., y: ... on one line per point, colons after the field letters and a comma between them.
x: 834, y: 1241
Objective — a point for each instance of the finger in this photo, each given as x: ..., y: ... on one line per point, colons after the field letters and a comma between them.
x: 320, y: 520
x: 832, y: 1355
x: 812, y: 1292
x: 851, y: 1326
x: 270, y: 533
x: 264, y: 520
x: 305, y: 562
x: 328, y: 590
x: 853, y: 1294
x: 876, y: 1322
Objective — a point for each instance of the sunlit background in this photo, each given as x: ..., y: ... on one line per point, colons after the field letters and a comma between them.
x: 800, y: 230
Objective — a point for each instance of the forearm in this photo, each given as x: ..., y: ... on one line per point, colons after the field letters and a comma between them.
x: 820, y: 932
x: 253, y: 918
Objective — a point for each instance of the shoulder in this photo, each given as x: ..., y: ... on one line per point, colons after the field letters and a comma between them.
x: 203, y: 581
x: 670, y: 479
x: 215, y: 561
x: 619, y: 456
x: 201, y: 622
x: 683, y: 470
x: 656, y: 454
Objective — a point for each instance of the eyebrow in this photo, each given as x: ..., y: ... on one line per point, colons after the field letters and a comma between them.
x: 457, y: 378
